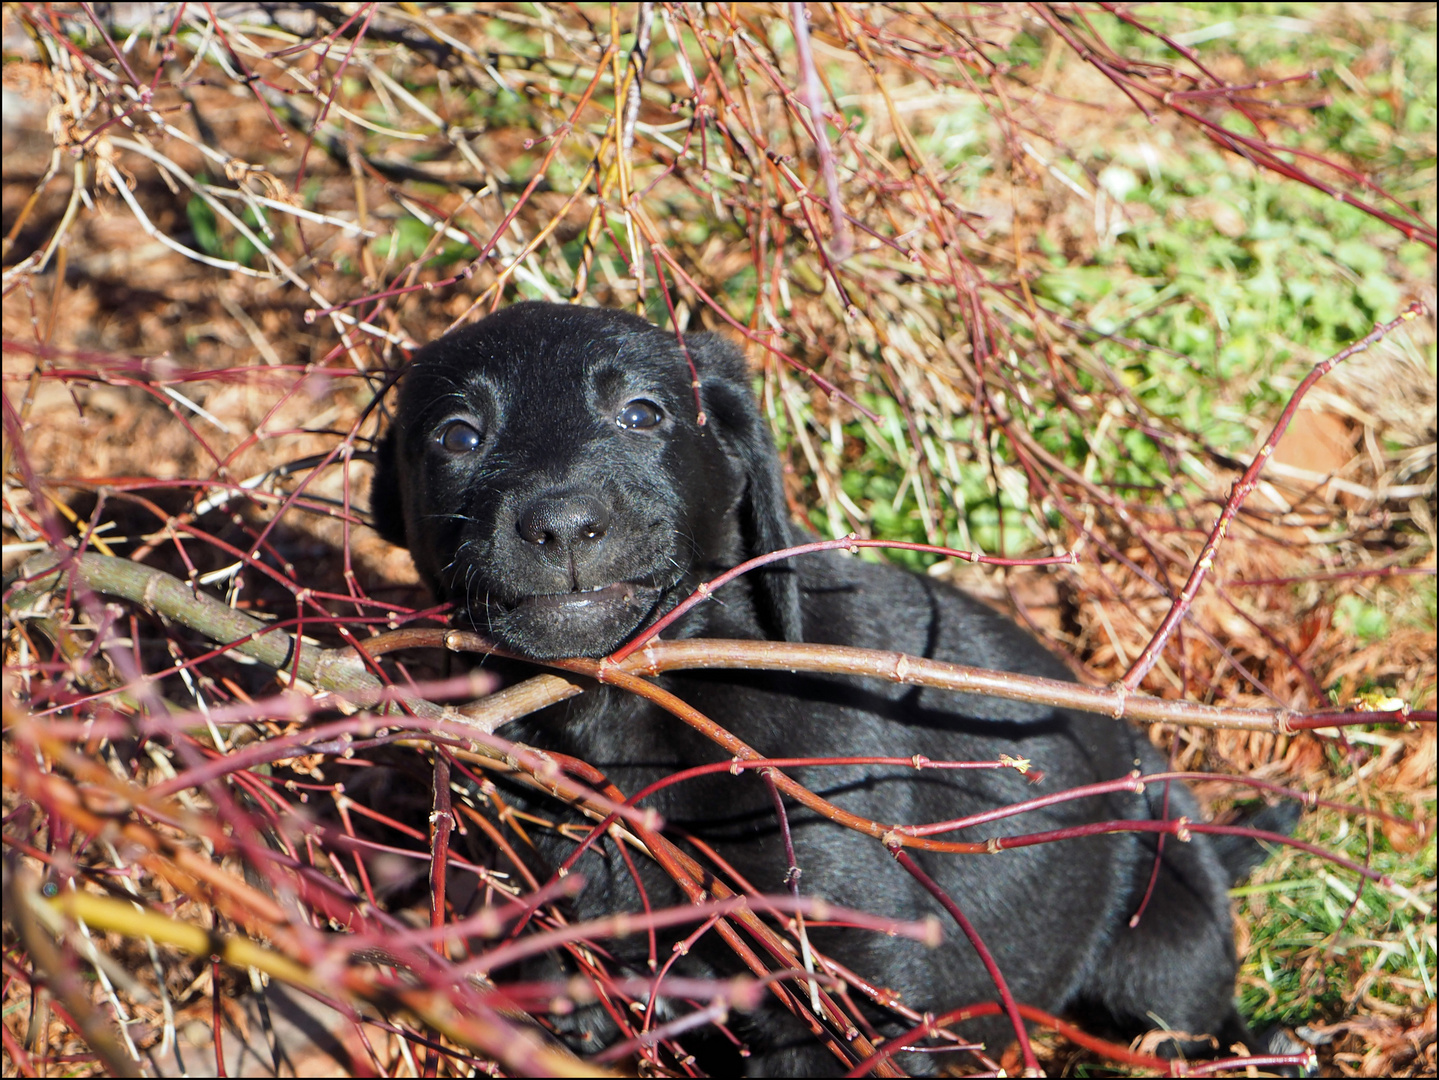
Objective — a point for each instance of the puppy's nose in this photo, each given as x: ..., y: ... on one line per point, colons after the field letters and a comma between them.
x: 564, y: 522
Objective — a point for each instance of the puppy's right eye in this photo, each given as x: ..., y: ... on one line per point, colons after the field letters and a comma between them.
x: 459, y: 437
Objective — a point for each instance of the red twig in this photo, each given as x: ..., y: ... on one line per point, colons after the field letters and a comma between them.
x: 1242, y: 488
x: 1031, y: 1063
x: 849, y: 543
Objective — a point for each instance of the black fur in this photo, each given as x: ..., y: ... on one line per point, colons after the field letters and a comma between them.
x: 551, y: 496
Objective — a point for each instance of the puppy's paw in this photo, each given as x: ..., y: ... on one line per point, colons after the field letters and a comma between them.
x: 1282, y: 1040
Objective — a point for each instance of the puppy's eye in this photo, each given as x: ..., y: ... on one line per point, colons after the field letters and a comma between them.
x: 459, y: 437
x: 639, y: 413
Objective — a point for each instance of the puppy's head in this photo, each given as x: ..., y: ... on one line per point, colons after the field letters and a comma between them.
x: 548, y: 474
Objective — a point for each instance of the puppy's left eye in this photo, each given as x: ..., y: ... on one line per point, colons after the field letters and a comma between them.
x: 639, y: 413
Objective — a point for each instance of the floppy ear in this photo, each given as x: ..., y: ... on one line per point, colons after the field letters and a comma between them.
x: 387, y: 514
x: 764, y: 514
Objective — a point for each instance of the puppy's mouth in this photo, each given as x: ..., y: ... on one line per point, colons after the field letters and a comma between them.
x: 622, y: 592
x: 582, y: 622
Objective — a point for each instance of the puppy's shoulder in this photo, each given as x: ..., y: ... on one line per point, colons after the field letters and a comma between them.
x: 851, y: 601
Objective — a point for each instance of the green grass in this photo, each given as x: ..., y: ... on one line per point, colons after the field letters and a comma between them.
x: 1231, y: 275
x: 1301, y: 916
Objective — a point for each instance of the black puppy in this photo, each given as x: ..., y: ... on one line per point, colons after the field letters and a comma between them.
x: 547, y: 471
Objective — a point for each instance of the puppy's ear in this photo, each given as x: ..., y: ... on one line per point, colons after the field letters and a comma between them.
x: 387, y: 514
x: 764, y: 514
